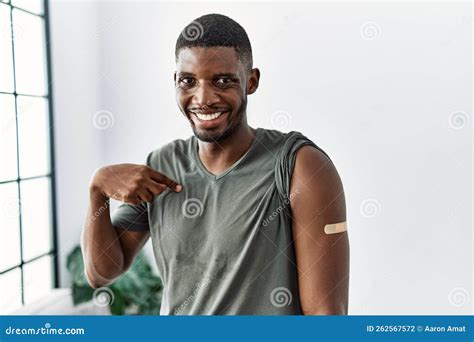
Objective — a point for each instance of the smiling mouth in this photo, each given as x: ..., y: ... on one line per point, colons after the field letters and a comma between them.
x: 208, y: 117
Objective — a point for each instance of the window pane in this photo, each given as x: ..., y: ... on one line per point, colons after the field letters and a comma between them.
x: 35, y: 217
x: 8, y: 167
x: 33, y: 134
x: 9, y: 226
x: 35, y: 6
x: 10, y: 288
x: 29, y: 42
x: 38, y: 278
x: 6, y: 58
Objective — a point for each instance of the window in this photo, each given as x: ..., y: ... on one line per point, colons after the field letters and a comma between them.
x: 28, y: 265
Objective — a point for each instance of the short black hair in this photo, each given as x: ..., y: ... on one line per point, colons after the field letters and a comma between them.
x: 215, y: 30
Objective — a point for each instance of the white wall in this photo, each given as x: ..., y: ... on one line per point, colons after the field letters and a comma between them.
x: 76, y: 96
x: 380, y: 107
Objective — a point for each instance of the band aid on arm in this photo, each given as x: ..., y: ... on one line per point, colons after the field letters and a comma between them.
x: 335, y: 228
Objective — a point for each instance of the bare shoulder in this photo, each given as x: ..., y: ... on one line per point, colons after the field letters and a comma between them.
x: 317, y: 181
x: 312, y: 166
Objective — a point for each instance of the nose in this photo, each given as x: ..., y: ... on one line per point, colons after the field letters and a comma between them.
x: 204, y: 95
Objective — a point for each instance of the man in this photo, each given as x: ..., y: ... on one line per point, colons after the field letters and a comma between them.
x: 243, y: 221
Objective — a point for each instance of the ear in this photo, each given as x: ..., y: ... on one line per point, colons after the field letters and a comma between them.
x: 253, y: 80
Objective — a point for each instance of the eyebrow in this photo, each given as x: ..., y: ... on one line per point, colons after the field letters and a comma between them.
x: 186, y: 74
x: 229, y: 74
x: 190, y: 74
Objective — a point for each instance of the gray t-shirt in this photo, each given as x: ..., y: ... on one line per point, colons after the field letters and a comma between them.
x: 224, y: 245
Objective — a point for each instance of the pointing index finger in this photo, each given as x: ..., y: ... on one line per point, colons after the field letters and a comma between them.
x: 161, y: 178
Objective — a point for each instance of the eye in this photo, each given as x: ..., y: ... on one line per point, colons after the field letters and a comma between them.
x: 186, y: 81
x: 223, y: 81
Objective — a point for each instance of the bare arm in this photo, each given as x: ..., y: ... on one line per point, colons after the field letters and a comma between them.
x: 109, y: 251
x: 322, y: 259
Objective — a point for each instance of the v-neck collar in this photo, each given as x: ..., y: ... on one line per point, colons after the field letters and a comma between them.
x: 212, y: 176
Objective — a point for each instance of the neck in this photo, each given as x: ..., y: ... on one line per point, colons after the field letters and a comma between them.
x: 218, y: 156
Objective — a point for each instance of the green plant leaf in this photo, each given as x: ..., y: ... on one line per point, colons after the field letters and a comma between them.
x: 119, y: 304
x: 81, y: 294
x: 75, y: 266
x: 138, y: 289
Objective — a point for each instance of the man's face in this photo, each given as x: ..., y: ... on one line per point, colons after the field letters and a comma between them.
x: 211, y: 90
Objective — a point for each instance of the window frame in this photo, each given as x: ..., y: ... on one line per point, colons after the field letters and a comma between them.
x: 51, y: 175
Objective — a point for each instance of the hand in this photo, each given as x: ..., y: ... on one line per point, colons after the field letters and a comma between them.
x: 130, y: 183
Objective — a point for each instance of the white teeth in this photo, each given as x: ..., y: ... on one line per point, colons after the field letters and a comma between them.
x: 207, y: 117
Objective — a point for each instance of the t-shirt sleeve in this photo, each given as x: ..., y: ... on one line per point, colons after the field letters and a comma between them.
x: 285, y: 162
x: 132, y: 217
